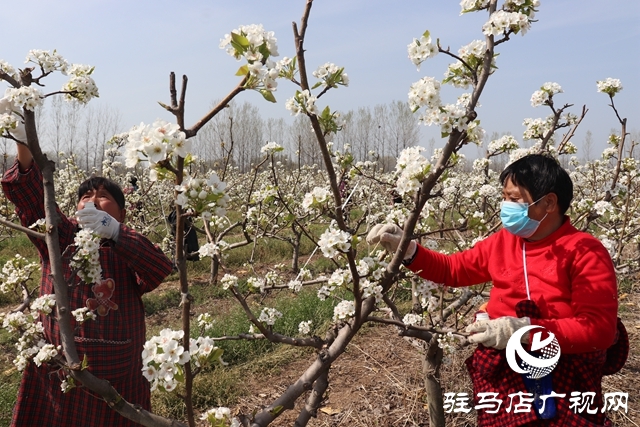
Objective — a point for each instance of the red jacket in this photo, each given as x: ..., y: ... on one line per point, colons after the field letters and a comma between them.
x: 571, y: 280
x: 113, y: 343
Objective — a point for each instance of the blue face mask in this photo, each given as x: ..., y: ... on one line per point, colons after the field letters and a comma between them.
x: 515, y: 218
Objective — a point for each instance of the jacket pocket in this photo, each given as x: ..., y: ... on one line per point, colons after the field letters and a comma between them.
x: 109, y: 360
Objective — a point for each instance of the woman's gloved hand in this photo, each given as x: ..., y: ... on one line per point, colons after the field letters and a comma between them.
x: 100, y: 222
x: 389, y: 236
x: 496, y: 332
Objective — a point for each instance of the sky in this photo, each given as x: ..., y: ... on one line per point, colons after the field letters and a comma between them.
x: 134, y: 45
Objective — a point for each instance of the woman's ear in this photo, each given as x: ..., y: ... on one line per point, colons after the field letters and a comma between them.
x: 551, y: 202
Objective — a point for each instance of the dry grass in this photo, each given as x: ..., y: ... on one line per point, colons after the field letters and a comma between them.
x: 379, y: 382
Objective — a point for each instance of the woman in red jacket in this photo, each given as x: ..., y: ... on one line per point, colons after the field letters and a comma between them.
x: 544, y: 272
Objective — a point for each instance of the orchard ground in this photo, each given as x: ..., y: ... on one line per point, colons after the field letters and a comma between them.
x: 379, y: 380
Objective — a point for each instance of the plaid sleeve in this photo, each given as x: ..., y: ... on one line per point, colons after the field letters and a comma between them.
x: 25, y: 190
x: 147, y: 260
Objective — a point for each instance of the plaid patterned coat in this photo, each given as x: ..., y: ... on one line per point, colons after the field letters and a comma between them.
x: 490, y: 373
x: 113, y: 343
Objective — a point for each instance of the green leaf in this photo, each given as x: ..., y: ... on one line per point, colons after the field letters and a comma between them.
x: 264, y: 51
x: 240, y: 40
x: 426, y: 34
x: 85, y: 363
x: 216, y: 354
x: 317, y: 85
x: 242, y: 71
x: 268, y: 95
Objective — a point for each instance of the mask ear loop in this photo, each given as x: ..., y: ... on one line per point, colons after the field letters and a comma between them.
x: 526, y: 276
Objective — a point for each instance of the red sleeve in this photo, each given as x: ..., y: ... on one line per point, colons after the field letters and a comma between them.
x: 26, y: 192
x: 147, y: 260
x: 465, y: 268
x: 594, y: 302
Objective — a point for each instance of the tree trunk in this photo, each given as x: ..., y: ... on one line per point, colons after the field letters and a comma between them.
x: 431, y: 368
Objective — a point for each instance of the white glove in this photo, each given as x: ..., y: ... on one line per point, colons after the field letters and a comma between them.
x: 496, y: 333
x: 389, y: 235
x: 19, y: 132
x: 100, y: 222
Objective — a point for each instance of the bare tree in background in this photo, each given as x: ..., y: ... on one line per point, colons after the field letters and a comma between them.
x: 302, y: 142
x: 587, y: 146
x: 98, y: 126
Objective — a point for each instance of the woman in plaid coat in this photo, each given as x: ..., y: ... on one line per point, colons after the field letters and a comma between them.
x: 545, y: 273
x: 131, y: 266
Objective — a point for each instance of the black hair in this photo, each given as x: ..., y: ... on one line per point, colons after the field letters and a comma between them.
x: 96, y: 182
x: 541, y: 175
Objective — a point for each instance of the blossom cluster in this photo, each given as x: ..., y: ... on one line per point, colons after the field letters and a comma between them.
x: 86, y: 259
x: 27, y: 97
x: 251, y: 42
x: 271, y: 148
x: 205, y: 197
x: 504, y: 144
x: 330, y: 75
x: 501, y: 21
x: 412, y: 167
x: 81, y: 87
x: 47, y: 61
x: 425, y: 291
x: 155, y: 143
x: 31, y: 345
x: 425, y: 93
x: 163, y: 358
x: 339, y: 278
x: 609, y: 86
x: 447, y: 343
x: 269, y: 316
x: 229, y: 281
x: 16, y: 272
x: 257, y: 46
x: 83, y: 314
x: 211, y: 249
x: 473, y: 5
x: 545, y: 93
x: 344, y: 310
x: 461, y: 75
x: 12, y: 123
x: 220, y: 417
x: 205, y: 321
x: 305, y: 327
x: 302, y: 102
x: 537, y: 128
x: 315, y: 199
x: 334, y: 241
x: 412, y: 319
x: 8, y: 69
x: 421, y: 49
